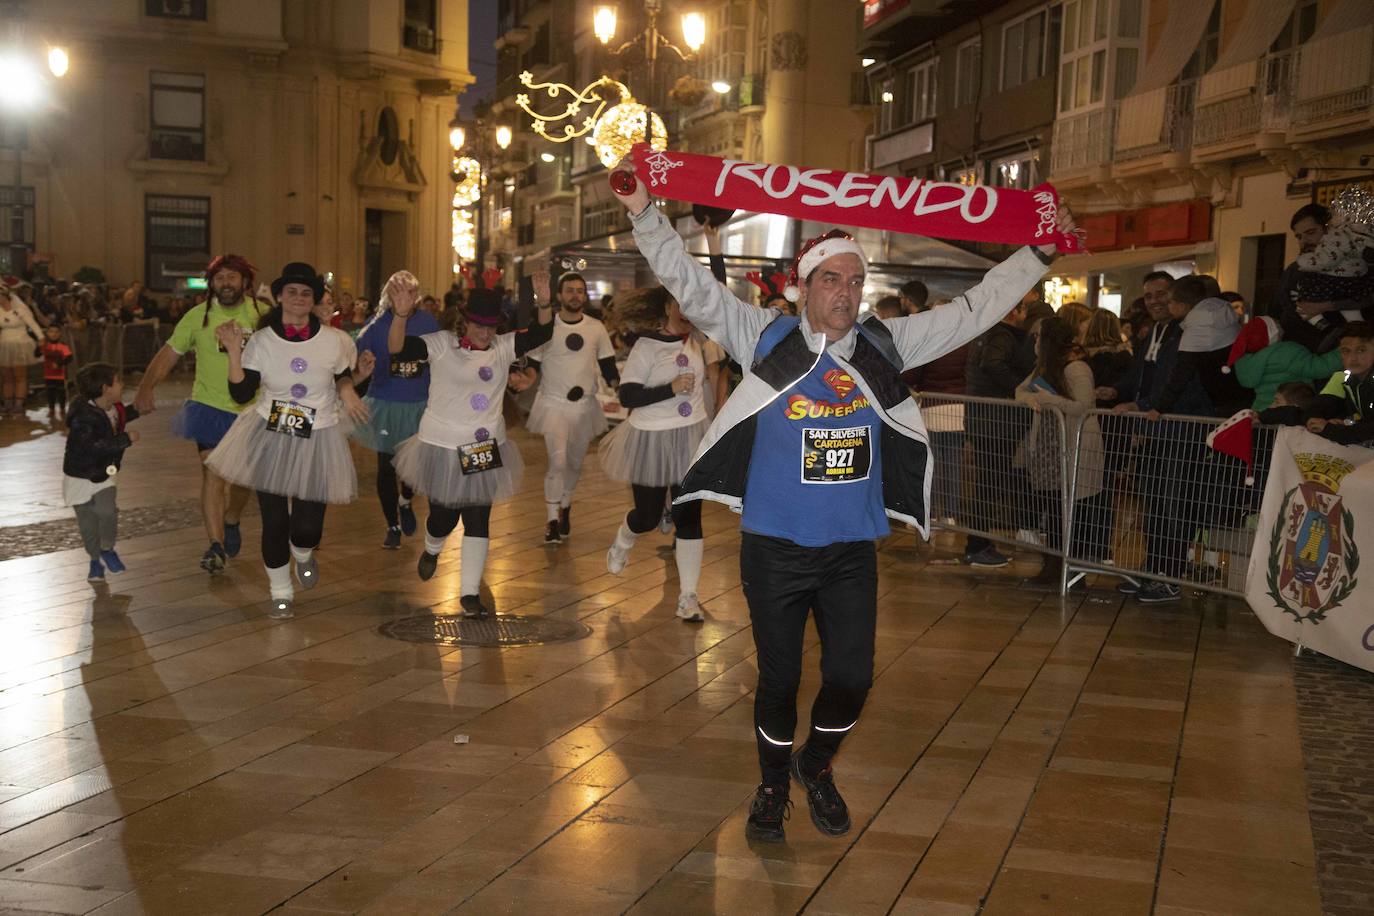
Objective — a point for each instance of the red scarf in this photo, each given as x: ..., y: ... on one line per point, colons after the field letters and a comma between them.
x: 937, y: 209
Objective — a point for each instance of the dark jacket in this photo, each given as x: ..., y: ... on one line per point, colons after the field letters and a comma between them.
x: 1110, y: 368
x: 944, y: 375
x: 1355, y: 406
x: 94, y: 445
x: 1320, y: 337
x: 997, y: 362
x: 1191, y: 371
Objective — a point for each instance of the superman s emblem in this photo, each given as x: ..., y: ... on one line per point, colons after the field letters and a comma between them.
x: 839, y: 382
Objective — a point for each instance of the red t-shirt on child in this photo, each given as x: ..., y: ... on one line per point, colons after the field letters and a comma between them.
x: 55, y: 356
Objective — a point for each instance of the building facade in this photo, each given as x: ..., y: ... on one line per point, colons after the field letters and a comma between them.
x: 285, y: 130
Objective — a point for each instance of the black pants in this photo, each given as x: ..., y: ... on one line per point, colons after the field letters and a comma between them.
x: 57, y: 393
x: 648, y: 511
x: 286, y: 522
x: 782, y: 582
x: 443, y: 519
x: 999, y: 490
x: 386, y: 489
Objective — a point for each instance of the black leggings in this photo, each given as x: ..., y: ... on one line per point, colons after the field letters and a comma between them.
x: 57, y: 393
x: 297, y: 521
x: 386, y: 489
x: 648, y: 511
x: 443, y: 519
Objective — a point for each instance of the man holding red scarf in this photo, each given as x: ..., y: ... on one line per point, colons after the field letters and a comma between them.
x: 817, y: 448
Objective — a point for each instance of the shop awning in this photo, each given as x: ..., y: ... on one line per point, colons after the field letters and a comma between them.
x: 1234, y: 70
x: 1103, y: 262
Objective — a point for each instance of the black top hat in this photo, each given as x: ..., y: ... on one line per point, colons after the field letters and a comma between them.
x: 299, y: 272
x: 483, y: 307
x: 713, y: 215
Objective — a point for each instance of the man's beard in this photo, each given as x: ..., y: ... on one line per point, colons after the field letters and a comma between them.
x: 236, y: 294
x: 574, y: 306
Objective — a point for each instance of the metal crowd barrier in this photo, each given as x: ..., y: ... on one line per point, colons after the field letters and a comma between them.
x: 1117, y: 494
x: 129, y: 347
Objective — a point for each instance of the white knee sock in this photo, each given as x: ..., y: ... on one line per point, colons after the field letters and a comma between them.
x: 625, y: 538
x: 434, y: 545
x: 474, y: 560
x: 688, y: 555
x: 302, y: 554
x: 552, y: 509
x: 279, y: 578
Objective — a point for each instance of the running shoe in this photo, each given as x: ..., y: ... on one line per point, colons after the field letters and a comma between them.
x: 233, y: 539
x: 393, y: 539
x: 1158, y: 593
x: 689, y: 609
x: 308, y: 573
x: 616, y: 558
x: 767, y: 813
x: 214, y: 558
x: 428, y: 563
x: 473, y: 607
x: 97, y: 573
x: 828, y: 811
x: 987, y: 558
x: 565, y: 521
x: 112, y: 561
x: 551, y: 536
x: 281, y: 609
x: 408, y: 523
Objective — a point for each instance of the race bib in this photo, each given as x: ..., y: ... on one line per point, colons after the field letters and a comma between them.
x: 244, y: 334
x: 476, y: 457
x: 407, y: 368
x: 836, y: 455
x: 291, y: 419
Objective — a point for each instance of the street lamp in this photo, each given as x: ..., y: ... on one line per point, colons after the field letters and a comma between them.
x: 25, y: 87
x: 693, y: 36
x: 58, y: 61
x: 470, y: 169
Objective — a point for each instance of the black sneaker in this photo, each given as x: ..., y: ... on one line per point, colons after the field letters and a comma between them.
x: 987, y: 558
x: 233, y: 539
x: 767, y: 812
x: 213, y: 560
x: 473, y: 607
x: 427, y: 564
x: 565, y: 521
x: 1158, y: 593
x: 393, y: 539
x: 828, y: 811
x: 551, y: 536
x: 408, y: 524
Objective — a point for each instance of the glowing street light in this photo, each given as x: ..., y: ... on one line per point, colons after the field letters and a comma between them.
x: 23, y: 88
x: 547, y: 157
x: 603, y: 24
x: 503, y: 136
x: 721, y: 86
x: 58, y: 62
x: 456, y: 135
x: 693, y: 30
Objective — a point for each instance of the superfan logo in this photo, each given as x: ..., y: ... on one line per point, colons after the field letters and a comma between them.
x: 839, y: 382
x: 800, y: 407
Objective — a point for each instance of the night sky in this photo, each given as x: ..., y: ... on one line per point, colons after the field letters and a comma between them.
x: 481, y: 55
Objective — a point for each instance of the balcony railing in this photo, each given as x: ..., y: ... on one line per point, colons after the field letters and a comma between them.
x: 1083, y: 141
x: 1334, y: 76
x: 1265, y: 108
x: 1176, y: 126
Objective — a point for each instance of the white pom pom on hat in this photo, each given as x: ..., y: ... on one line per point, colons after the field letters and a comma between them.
x: 819, y: 249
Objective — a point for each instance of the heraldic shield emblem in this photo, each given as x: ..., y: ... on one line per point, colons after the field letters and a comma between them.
x: 1313, y: 561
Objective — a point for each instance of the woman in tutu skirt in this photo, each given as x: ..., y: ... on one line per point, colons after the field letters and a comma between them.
x: 395, y: 398
x: 460, y: 458
x: 291, y: 447
x: 661, y: 385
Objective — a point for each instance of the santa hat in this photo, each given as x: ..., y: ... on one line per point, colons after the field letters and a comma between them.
x: 819, y: 249
x: 1236, y: 437
x: 1257, y: 334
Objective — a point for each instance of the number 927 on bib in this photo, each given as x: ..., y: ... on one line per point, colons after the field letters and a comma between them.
x: 836, y: 455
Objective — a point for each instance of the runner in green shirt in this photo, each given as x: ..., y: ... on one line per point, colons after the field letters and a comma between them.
x: 207, y: 416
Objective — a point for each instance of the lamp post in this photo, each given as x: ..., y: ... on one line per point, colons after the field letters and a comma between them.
x: 481, y: 140
x: 693, y: 36
x: 25, y: 88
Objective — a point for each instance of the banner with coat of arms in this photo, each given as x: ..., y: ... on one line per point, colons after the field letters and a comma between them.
x: 1305, y: 582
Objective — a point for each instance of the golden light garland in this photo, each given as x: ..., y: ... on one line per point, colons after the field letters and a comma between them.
x: 600, y: 93
x: 469, y: 185
x: 464, y: 236
x: 621, y: 128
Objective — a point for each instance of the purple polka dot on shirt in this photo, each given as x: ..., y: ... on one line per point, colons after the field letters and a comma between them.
x: 685, y: 409
x: 484, y: 373
x: 682, y: 360
x: 299, y: 365
x: 479, y: 402
x: 482, y: 434
x: 299, y: 391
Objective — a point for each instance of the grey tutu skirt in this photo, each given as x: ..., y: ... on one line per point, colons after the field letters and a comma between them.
x: 319, y: 469
x: 392, y: 423
x: 650, y: 457
x: 576, y: 424
x: 436, y: 472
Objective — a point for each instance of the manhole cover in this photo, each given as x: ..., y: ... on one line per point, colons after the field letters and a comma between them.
x: 501, y: 630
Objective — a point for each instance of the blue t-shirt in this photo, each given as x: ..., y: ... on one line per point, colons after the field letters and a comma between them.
x: 397, y: 376
x: 816, y: 474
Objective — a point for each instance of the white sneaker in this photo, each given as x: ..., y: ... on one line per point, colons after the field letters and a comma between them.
x: 665, y: 524
x: 689, y: 609
x: 1026, y: 536
x: 281, y: 609
x: 616, y: 558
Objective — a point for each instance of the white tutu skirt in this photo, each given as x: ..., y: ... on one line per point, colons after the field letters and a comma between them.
x: 436, y: 472
x: 319, y: 469
x: 650, y: 457
x: 576, y: 423
x: 17, y: 351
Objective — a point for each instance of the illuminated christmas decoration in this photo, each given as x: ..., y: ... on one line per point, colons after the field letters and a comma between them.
x: 621, y: 128
x: 558, y: 126
x: 464, y: 237
x: 467, y: 173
